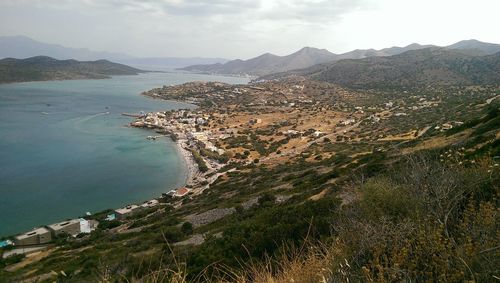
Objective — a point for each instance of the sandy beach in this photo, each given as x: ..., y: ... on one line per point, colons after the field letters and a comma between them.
x: 192, y: 173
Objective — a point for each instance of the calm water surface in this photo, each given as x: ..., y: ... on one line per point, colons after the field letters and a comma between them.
x: 65, y: 148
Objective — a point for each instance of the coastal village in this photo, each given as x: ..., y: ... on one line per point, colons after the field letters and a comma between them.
x: 275, y: 121
x: 269, y: 123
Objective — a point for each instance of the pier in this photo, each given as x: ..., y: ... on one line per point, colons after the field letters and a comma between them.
x: 133, y: 115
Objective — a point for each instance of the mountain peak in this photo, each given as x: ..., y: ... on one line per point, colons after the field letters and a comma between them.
x: 309, y: 49
x: 474, y: 44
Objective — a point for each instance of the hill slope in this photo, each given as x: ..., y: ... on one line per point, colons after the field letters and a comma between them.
x: 268, y: 63
x: 430, y: 66
x: 482, y: 48
x: 43, y: 68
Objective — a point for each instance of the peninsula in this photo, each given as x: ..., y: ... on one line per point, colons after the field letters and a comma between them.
x: 42, y: 68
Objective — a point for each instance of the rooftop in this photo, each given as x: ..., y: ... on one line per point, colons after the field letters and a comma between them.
x: 37, y: 231
x: 126, y: 209
x: 150, y: 203
x: 63, y: 224
x: 181, y: 192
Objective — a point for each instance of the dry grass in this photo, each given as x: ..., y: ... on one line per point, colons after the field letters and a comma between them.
x: 309, y: 263
x: 312, y: 262
x: 30, y: 258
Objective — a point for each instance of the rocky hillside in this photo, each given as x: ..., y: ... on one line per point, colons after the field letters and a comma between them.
x: 43, y: 68
x: 430, y: 66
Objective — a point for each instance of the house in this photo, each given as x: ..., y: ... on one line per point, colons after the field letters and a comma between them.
x: 87, y: 226
x: 110, y: 217
x: 150, y: 203
x: 70, y: 227
x: 375, y: 119
x: 170, y: 193
x: 181, y: 192
x: 6, y: 243
x: 317, y: 133
x: 291, y: 132
x: 446, y: 126
x: 34, y: 237
x: 349, y: 121
x: 255, y: 121
x: 122, y: 213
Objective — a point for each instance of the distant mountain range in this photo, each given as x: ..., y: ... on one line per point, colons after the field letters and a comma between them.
x: 21, y: 47
x: 168, y: 63
x: 268, y: 63
x: 429, y: 66
x: 307, y: 57
x: 42, y: 68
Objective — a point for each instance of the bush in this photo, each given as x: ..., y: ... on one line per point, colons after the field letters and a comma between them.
x: 104, y: 225
x: 382, y: 198
x: 187, y: 228
x: 11, y: 259
x: 202, y: 166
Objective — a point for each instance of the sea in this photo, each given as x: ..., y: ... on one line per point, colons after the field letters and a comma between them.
x: 65, y: 148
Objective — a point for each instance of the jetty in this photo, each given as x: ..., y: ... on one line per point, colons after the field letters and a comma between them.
x: 133, y: 115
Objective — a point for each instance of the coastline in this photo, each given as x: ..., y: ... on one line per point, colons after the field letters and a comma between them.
x: 192, y: 178
x: 192, y: 171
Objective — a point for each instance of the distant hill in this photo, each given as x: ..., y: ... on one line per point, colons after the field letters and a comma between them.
x: 22, y: 47
x: 481, y: 48
x: 364, y: 53
x: 430, y: 66
x: 168, y: 63
x: 42, y: 68
x: 268, y: 63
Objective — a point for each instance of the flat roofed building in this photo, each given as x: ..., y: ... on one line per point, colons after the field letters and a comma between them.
x: 122, y: 213
x: 70, y: 227
x: 150, y: 203
x: 34, y: 237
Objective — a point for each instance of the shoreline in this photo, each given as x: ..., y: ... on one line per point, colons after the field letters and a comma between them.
x: 192, y: 171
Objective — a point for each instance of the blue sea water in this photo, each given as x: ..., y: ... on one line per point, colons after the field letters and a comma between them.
x: 65, y: 148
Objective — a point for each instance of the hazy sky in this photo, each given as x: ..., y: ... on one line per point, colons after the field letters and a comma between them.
x: 247, y: 28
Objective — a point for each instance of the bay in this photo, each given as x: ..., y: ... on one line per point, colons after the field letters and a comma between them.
x: 65, y: 148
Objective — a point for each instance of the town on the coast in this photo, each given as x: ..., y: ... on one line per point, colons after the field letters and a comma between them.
x: 268, y: 122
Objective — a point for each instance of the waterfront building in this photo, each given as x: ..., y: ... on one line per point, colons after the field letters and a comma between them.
x: 34, y: 237
x: 6, y: 243
x: 87, y: 226
x: 70, y: 227
x: 181, y: 192
x: 150, y: 203
x: 110, y: 217
x: 122, y: 213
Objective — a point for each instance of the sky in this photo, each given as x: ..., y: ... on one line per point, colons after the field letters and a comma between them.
x: 247, y: 28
